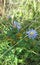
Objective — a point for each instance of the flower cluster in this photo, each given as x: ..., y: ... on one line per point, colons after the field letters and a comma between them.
x: 32, y: 34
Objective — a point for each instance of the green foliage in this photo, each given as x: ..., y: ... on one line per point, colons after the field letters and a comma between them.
x: 15, y: 46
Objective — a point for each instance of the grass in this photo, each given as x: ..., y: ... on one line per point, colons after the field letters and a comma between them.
x: 16, y: 48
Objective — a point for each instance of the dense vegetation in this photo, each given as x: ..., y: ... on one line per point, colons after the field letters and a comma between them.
x: 16, y: 46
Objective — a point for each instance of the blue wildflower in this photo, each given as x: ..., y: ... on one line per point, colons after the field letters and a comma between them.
x: 32, y: 33
x: 17, y: 24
